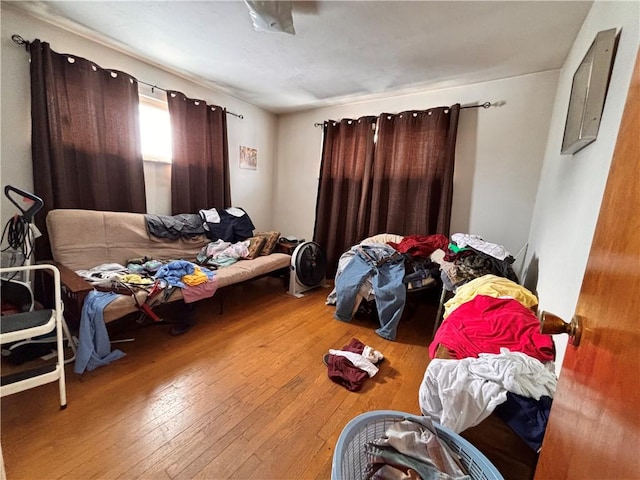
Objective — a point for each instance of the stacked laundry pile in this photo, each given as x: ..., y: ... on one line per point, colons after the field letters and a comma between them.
x: 468, y: 257
x: 499, y: 361
x: 196, y: 281
x: 231, y: 224
x: 376, y: 269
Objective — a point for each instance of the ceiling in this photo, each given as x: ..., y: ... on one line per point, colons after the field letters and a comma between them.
x: 342, y: 51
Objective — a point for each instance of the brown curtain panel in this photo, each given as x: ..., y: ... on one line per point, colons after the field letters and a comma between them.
x: 412, y: 181
x: 85, y: 137
x: 200, y: 161
x: 347, y: 156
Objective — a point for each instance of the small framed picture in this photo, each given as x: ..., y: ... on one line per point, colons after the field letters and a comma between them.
x: 248, y: 158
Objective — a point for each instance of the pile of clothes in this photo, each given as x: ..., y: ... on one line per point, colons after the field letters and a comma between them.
x: 230, y: 224
x: 411, y: 449
x: 145, y: 273
x: 467, y: 257
x: 499, y: 361
x: 353, y: 364
x: 380, y: 271
x: 156, y: 278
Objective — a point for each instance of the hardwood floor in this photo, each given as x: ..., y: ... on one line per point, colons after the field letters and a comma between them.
x: 241, y: 395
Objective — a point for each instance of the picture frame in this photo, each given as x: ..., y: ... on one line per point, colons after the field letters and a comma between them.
x: 588, y: 93
x: 248, y: 158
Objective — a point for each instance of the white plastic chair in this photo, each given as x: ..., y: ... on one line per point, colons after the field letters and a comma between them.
x: 26, y: 325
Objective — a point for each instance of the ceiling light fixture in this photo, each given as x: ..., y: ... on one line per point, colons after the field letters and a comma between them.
x: 271, y: 16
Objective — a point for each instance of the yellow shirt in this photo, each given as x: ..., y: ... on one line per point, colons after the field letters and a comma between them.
x: 491, y: 286
x: 196, y: 278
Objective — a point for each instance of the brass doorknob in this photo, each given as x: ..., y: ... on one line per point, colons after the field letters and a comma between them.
x: 551, y: 324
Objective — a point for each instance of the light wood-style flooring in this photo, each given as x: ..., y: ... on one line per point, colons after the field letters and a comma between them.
x: 241, y: 395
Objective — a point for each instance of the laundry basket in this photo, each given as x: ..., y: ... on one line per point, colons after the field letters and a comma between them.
x: 350, y: 461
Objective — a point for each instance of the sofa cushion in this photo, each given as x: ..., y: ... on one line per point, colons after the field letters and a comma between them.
x: 82, y: 239
x: 270, y: 243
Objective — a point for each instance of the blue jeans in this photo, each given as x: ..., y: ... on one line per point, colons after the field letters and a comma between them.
x: 386, y: 267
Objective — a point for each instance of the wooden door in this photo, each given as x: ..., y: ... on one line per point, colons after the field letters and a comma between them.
x: 594, y: 426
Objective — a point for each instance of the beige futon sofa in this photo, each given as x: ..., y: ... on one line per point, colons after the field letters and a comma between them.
x: 83, y: 239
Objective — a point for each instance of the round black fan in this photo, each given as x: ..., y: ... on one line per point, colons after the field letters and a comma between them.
x: 308, y: 268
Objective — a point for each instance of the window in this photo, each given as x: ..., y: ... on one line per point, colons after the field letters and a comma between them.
x: 155, y: 129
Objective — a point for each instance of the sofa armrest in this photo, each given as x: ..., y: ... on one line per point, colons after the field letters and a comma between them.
x: 73, y: 282
x: 74, y: 290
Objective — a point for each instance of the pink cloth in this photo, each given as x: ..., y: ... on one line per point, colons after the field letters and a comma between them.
x: 198, y: 292
x: 486, y: 324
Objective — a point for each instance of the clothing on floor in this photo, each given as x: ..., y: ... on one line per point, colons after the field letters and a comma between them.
x: 357, y: 360
x: 486, y: 324
x: 94, y: 348
x: 371, y: 354
x: 385, y: 266
x: 341, y: 371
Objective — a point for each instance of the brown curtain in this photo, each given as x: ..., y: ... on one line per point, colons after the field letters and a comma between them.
x: 85, y: 137
x: 200, y: 160
x: 412, y: 182
x: 347, y: 155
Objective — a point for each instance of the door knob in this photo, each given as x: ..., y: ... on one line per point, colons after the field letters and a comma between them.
x: 551, y: 324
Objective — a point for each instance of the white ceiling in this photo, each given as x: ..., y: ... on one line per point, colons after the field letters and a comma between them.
x: 342, y: 51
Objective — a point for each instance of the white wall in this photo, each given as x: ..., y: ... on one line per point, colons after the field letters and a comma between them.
x: 498, y: 156
x: 571, y: 187
x: 250, y: 189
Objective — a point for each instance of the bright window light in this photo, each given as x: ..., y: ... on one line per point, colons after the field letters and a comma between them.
x: 155, y: 130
